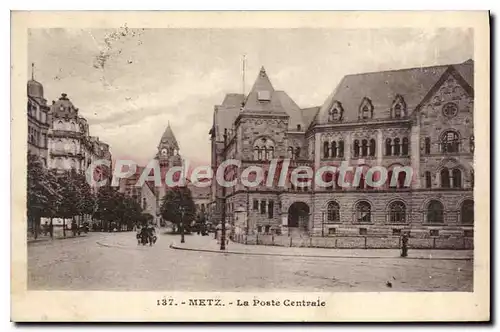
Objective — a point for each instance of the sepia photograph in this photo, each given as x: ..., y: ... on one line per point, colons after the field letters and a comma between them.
x: 283, y: 166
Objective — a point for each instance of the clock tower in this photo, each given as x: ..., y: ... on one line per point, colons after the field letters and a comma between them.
x: 168, y: 150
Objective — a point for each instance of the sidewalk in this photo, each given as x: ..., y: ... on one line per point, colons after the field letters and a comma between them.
x: 32, y: 240
x: 209, y: 244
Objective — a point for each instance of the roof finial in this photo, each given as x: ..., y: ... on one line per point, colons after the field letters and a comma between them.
x: 33, y: 71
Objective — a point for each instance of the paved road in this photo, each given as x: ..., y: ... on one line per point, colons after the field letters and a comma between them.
x: 115, y: 262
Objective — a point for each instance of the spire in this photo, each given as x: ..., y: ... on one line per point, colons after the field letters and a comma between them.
x: 33, y: 71
x: 168, y: 137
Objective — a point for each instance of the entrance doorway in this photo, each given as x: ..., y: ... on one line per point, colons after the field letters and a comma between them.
x: 298, y: 215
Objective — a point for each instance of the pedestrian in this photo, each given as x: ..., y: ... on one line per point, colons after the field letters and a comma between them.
x: 404, y: 245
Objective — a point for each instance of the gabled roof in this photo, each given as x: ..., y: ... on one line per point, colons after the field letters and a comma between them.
x: 254, y: 102
x: 381, y: 88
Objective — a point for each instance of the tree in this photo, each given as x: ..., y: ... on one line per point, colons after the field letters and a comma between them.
x: 42, y: 192
x: 175, y: 199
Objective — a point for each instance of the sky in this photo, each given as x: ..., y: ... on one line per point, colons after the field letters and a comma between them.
x: 130, y: 83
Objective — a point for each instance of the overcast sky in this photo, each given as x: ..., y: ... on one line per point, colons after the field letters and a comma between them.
x: 130, y: 83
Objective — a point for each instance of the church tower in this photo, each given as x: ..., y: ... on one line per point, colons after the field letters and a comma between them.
x: 168, y: 150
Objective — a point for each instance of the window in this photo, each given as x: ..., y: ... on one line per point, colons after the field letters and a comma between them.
x: 334, y: 149
x: 363, y: 212
x: 457, y: 178
x: 396, y: 231
x: 468, y: 233
x: 397, y: 111
x: 263, y: 207
x: 427, y: 145
x: 290, y: 152
x: 471, y: 144
x: 397, y: 212
x: 388, y: 147
x: 428, y: 180
x: 271, y: 152
x: 450, y: 142
x: 341, y: 149
x: 390, y: 183
x: 356, y: 148
x: 331, y: 230
x: 267, y: 229
x: 435, y: 212
x: 255, y: 205
x: 372, y: 147
x: 445, y: 178
x: 366, y: 113
x: 144, y: 204
x: 270, y: 209
x: 333, y: 212
x: 299, y: 128
x: 363, y: 231
x: 405, y: 147
x: 397, y: 147
x: 434, y: 232
x: 361, y: 182
x: 467, y: 212
x: 326, y: 150
x: 364, y: 148
x: 472, y: 179
x: 450, y: 110
x: 259, y: 229
x: 264, y: 95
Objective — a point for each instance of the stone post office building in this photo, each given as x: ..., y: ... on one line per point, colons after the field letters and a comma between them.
x: 418, y: 117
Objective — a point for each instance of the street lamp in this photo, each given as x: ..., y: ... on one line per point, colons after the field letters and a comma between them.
x: 182, y: 209
x: 248, y: 209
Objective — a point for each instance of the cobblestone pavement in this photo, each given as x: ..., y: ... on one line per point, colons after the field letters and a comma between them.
x: 114, y: 261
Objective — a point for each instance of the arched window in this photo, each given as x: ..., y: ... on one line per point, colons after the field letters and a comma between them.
x: 290, y: 152
x: 397, y: 212
x: 333, y: 212
x: 341, y: 149
x: 365, y: 112
x: 445, y: 178
x: 256, y: 153
x: 60, y: 125
x: 471, y: 144
x: 397, y: 111
x: 435, y: 212
x: 334, y: 149
x: 428, y: 180
x: 364, y: 148
x: 356, y: 148
x: 457, y: 178
x: 450, y: 142
x: 363, y: 212
x: 397, y: 147
x: 372, y: 147
x: 467, y: 212
x: 144, y: 204
x: 388, y: 147
x: 297, y: 153
x: 326, y: 149
x: 427, y: 149
x: 265, y: 154
x: 405, y: 146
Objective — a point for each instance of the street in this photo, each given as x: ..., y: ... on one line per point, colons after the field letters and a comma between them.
x: 114, y: 261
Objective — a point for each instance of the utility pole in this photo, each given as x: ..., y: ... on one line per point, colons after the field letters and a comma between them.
x: 223, y: 225
x: 182, y: 224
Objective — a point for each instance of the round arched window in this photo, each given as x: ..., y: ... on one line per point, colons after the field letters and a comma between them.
x: 450, y: 110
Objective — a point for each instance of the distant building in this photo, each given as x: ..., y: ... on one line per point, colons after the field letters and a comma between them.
x: 418, y: 117
x: 38, y: 121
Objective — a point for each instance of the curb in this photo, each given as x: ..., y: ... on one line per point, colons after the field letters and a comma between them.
x: 172, y: 246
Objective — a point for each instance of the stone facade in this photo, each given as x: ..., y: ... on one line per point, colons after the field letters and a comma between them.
x: 38, y: 121
x: 421, y: 118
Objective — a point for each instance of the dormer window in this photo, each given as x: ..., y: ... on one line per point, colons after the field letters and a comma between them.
x: 264, y: 96
x: 336, y: 112
x: 299, y: 128
x: 398, y: 107
x: 366, y: 109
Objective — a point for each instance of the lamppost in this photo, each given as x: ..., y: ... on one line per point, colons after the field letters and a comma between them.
x: 248, y: 211
x: 182, y: 209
